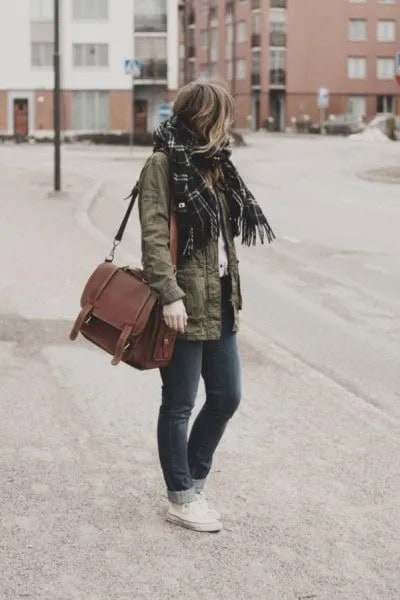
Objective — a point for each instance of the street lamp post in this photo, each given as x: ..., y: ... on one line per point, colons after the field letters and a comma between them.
x: 57, y: 99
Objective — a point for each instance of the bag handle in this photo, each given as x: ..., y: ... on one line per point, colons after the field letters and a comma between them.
x: 173, y: 228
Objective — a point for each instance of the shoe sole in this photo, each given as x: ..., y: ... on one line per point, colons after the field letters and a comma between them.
x: 206, y: 527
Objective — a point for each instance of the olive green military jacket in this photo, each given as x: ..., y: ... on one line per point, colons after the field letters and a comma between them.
x: 196, y: 280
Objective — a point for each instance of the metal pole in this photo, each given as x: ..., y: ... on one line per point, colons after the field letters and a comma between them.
x: 322, y: 119
x: 57, y: 99
x: 132, y: 128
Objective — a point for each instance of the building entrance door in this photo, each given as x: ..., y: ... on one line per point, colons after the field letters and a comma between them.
x: 141, y: 110
x: 277, y: 109
x: 21, y: 119
x: 384, y: 104
x: 256, y: 106
x: 357, y: 106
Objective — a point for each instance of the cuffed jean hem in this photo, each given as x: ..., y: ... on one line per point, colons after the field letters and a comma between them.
x: 199, y: 484
x: 182, y: 496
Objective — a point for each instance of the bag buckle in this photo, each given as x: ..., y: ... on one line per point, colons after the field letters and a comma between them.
x: 110, y: 257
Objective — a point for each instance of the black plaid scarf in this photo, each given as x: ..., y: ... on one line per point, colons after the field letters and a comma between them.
x: 197, y: 202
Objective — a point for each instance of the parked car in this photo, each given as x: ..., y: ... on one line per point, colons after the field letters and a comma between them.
x: 343, y: 124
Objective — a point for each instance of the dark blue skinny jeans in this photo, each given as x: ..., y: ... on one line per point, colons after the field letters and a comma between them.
x: 186, y: 462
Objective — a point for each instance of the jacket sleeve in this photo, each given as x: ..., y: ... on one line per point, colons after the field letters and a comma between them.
x: 154, y: 206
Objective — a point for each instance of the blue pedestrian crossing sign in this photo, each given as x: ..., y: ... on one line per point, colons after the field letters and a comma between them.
x: 164, y: 111
x: 132, y: 66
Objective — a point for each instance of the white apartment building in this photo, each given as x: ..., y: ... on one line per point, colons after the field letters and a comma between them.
x: 97, y: 37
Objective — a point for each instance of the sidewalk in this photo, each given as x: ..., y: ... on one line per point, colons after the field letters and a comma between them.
x: 306, y: 476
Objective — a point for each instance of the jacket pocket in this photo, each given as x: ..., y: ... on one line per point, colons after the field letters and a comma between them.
x: 195, y: 289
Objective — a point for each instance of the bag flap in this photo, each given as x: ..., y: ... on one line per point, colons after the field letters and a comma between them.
x: 119, y: 297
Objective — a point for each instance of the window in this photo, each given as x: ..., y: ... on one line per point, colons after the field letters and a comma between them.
x: 229, y: 41
x: 385, y: 68
x: 190, y: 42
x: 241, y: 69
x: 151, y: 15
x: 356, y: 67
x: 90, y: 111
x: 42, y: 54
x: 278, y: 26
x: 385, y: 104
x: 357, y: 105
x: 229, y: 12
x: 191, y: 71
x: 278, y: 58
x: 357, y: 30
x: 255, y: 63
x: 90, y: 9
x: 212, y: 14
x: 386, y: 31
x: 241, y: 31
x: 214, y: 45
x: 204, y: 38
x: 90, y: 55
x: 42, y: 10
x: 152, y: 52
x: 277, y: 61
x: 229, y: 70
x: 256, y: 23
x: 148, y: 48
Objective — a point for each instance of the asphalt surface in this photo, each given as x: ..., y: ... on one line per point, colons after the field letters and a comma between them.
x: 306, y: 477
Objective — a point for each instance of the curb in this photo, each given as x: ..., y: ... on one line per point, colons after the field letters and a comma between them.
x: 377, y: 178
x: 82, y: 215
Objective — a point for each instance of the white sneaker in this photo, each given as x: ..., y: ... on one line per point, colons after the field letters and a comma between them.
x: 194, y: 515
x: 202, y: 497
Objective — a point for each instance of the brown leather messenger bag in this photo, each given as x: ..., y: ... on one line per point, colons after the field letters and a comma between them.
x: 120, y: 314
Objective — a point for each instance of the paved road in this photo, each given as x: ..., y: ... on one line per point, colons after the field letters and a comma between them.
x: 328, y: 291
x: 307, y: 475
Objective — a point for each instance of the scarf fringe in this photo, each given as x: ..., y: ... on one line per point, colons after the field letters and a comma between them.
x: 249, y: 232
x: 198, y: 221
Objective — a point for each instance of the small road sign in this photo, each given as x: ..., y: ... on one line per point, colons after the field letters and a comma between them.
x: 323, y: 98
x: 164, y: 111
x: 132, y: 66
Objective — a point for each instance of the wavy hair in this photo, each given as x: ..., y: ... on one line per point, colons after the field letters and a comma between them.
x: 209, y: 111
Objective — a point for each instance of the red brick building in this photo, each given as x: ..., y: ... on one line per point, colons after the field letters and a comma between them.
x: 275, y: 54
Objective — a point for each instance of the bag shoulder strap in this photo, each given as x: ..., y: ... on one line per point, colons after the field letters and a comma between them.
x: 173, y: 229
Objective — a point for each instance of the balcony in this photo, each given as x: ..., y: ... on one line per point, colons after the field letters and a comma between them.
x: 277, y: 38
x: 255, y: 79
x: 154, y: 69
x: 255, y: 40
x: 278, y: 3
x: 277, y: 77
x: 192, y: 17
x: 150, y: 23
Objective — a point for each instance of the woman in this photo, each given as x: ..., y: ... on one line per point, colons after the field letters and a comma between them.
x: 190, y: 172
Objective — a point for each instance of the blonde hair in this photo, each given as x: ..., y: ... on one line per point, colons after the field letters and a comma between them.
x: 209, y: 111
